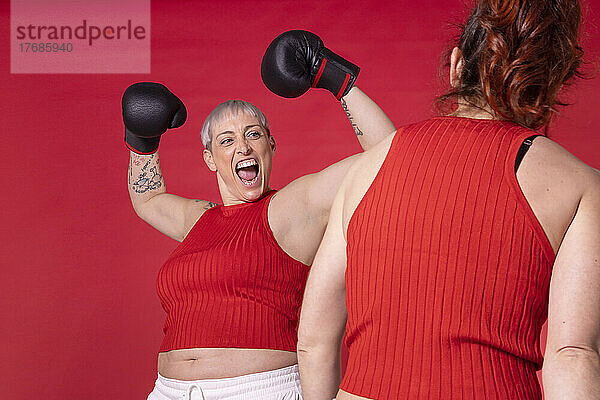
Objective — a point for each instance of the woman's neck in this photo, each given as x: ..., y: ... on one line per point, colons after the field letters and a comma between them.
x: 469, y: 110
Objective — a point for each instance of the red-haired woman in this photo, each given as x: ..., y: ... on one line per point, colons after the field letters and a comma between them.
x: 452, y: 241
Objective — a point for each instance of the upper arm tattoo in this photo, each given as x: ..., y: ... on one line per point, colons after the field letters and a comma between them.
x: 208, y: 205
x: 354, y: 124
x: 149, y: 178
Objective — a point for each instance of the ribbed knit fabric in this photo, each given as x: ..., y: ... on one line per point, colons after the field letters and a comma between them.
x: 229, y: 284
x: 448, y: 269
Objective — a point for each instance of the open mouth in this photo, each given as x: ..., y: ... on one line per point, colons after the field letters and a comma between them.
x: 247, y: 171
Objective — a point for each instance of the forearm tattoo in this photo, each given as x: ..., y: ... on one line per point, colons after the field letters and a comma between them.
x: 129, y: 173
x: 148, y: 178
x: 354, y: 124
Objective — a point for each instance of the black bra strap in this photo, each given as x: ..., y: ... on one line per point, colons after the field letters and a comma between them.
x: 523, y: 149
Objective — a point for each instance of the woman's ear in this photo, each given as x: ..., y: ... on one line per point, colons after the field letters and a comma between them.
x: 456, y: 65
x: 272, y: 143
x: 208, y: 159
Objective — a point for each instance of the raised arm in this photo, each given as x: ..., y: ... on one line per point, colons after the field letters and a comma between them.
x: 170, y: 214
x: 149, y: 109
x: 302, y: 208
x: 572, y: 361
x: 369, y: 121
x: 298, y: 60
x: 323, y: 315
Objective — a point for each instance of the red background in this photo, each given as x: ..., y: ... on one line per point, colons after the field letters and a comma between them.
x: 80, y: 317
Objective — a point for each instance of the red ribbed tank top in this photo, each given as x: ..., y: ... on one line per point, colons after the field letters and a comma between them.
x: 448, y: 269
x: 229, y: 284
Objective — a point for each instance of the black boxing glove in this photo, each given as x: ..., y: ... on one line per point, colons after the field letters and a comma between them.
x: 149, y: 109
x: 297, y: 60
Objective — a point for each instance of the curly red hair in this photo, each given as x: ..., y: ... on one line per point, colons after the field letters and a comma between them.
x: 517, y: 55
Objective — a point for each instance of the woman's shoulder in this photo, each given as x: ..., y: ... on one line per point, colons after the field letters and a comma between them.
x: 362, y: 174
x: 559, y: 164
x: 554, y: 182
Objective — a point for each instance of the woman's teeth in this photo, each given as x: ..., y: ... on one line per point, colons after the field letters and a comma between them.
x: 247, y: 171
x: 249, y: 183
x: 246, y: 163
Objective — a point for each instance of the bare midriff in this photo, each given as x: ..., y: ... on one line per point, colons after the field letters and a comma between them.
x: 341, y: 395
x: 214, y: 363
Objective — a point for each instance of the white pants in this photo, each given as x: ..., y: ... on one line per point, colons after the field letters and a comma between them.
x: 279, y: 384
